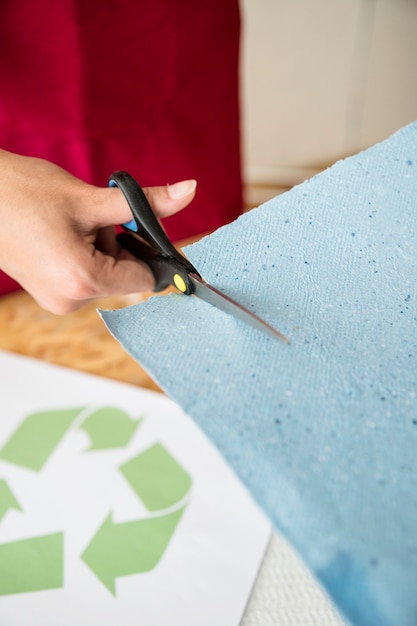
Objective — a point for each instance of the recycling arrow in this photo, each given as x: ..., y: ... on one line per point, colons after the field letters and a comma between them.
x: 129, y: 547
x: 33, y: 564
x: 157, y: 478
x: 34, y: 441
x: 7, y: 499
x: 109, y: 427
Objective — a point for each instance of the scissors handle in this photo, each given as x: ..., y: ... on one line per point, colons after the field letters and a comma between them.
x: 168, y: 266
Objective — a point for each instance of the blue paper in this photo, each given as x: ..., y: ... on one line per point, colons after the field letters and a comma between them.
x: 324, y: 431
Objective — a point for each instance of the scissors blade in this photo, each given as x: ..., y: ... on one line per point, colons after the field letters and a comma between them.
x: 221, y: 301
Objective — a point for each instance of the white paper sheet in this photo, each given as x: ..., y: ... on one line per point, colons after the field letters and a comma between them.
x: 78, y: 507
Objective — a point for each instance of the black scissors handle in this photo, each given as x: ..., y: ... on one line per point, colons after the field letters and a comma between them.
x: 146, y: 239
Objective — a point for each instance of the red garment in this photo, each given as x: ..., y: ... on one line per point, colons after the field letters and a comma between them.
x: 148, y: 87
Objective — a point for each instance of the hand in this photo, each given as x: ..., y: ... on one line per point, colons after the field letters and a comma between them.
x: 57, y: 234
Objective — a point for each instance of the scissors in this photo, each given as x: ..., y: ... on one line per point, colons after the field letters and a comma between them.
x: 145, y: 238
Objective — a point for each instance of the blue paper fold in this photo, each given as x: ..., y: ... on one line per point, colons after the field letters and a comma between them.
x: 323, y: 432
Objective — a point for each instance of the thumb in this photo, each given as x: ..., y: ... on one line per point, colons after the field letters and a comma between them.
x: 171, y: 198
x: 164, y: 200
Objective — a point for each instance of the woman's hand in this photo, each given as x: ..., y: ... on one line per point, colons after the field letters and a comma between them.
x: 57, y: 234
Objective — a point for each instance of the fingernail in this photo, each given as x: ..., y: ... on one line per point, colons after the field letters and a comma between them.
x: 181, y: 189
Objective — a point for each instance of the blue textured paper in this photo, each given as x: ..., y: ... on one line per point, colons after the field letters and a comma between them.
x: 324, y: 431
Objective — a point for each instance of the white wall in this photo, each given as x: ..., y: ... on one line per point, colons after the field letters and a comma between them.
x: 322, y: 79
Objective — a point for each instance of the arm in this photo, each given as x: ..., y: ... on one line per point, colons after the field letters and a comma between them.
x: 57, y: 237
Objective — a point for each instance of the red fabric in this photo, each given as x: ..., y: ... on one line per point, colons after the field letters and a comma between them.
x: 148, y: 87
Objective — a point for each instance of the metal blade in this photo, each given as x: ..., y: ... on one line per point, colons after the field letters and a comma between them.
x: 218, y: 299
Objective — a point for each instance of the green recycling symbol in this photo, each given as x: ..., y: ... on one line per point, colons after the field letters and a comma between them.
x: 116, y: 549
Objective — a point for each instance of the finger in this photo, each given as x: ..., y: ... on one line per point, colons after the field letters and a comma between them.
x: 118, y: 276
x: 171, y: 198
x: 110, y: 206
x: 104, y: 276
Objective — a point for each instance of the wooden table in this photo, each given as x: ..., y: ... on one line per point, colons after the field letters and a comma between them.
x: 79, y: 341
